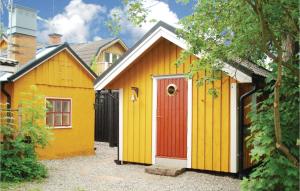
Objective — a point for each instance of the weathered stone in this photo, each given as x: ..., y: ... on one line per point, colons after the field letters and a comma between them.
x: 164, y: 171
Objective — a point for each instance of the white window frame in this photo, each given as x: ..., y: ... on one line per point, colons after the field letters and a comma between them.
x: 110, y: 57
x: 71, y: 119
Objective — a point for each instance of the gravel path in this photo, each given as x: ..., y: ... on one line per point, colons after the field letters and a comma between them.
x: 100, y: 173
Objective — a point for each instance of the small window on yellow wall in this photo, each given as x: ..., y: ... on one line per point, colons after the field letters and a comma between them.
x: 107, y: 57
x: 59, y: 112
x: 114, y: 58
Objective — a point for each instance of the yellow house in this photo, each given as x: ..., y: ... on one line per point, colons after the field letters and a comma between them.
x: 165, y: 118
x: 3, y: 45
x: 67, y: 82
x: 100, y: 54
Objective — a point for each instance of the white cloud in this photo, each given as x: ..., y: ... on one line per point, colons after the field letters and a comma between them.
x: 96, y: 38
x: 158, y: 11
x: 74, y: 23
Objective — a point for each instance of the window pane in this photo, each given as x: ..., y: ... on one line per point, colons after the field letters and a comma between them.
x: 50, y: 105
x: 57, y: 119
x: 50, y: 119
x: 107, y: 57
x: 66, y: 106
x: 57, y: 106
x: 66, y: 119
x: 114, y: 58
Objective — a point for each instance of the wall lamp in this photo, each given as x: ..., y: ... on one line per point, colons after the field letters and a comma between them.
x: 134, y: 93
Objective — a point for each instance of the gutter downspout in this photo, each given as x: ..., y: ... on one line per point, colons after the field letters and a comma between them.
x: 241, y: 123
x: 6, y: 94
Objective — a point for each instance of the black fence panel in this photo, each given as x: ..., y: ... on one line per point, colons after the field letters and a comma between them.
x: 107, y: 117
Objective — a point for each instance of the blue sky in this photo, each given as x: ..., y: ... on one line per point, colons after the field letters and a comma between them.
x: 84, y: 20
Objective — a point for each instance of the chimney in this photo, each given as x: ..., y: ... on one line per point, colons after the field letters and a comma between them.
x: 22, y: 34
x: 54, y: 39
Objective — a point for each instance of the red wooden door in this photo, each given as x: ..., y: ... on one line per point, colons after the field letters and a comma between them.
x: 172, y: 118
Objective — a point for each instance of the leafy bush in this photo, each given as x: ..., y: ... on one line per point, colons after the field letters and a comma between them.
x: 18, y: 157
x: 275, y: 171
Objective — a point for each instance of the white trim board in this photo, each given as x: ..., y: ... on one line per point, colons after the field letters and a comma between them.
x: 189, y: 117
x: 148, y: 42
x: 189, y: 122
x: 49, y: 59
x: 154, y: 113
x: 233, y: 128
x: 4, y: 68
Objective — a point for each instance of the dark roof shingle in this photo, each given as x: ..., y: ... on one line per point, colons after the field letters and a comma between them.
x: 87, y: 51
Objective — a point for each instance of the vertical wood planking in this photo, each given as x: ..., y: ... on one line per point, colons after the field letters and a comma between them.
x: 195, y: 139
x: 210, y: 117
x: 130, y: 120
x: 217, y: 126
x: 185, y: 116
x: 180, y: 68
x: 148, y: 111
x: 161, y: 58
x: 173, y: 68
x: 167, y: 57
x: 171, y: 135
x: 179, y: 121
x: 136, y: 116
x: 208, y: 128
x: 142, y: 108
x: 201, y: 120
x: 225, y: 132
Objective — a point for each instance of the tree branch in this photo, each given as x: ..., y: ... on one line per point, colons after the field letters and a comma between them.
x: 295, y: 24
x: 266, y: 33
x: 287, y: 153
x: 277, y: 126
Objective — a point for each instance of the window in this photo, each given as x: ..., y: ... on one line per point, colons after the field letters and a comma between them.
x: 171, y: 89
x: 58, y: 113
x: 110, y: 57
x: 107, y: 57
x: 114, y: 58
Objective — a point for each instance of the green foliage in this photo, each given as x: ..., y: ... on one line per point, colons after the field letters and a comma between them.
x: 18, y: 157
x: 275, y: 171
x: 113, y: 24
x: 134, y: 11
x: 94, y: 65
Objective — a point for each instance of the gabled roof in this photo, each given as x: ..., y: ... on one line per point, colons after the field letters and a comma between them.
x: 7, y: 68
x: 87, y: 51
x: 239, y: 70
x: 3, y: 37
x: 44, y: 55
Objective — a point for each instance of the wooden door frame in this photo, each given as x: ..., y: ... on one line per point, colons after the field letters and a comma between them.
x: 189, y: 116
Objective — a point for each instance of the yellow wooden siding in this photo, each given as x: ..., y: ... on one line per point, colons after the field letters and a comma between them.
x: 210, y: 116
x: 63, y: 77
x: 3, y: 45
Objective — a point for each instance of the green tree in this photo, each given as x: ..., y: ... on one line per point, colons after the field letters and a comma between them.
x: 94, y: 65
x: 267, y: 33
x: 18, y: 156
